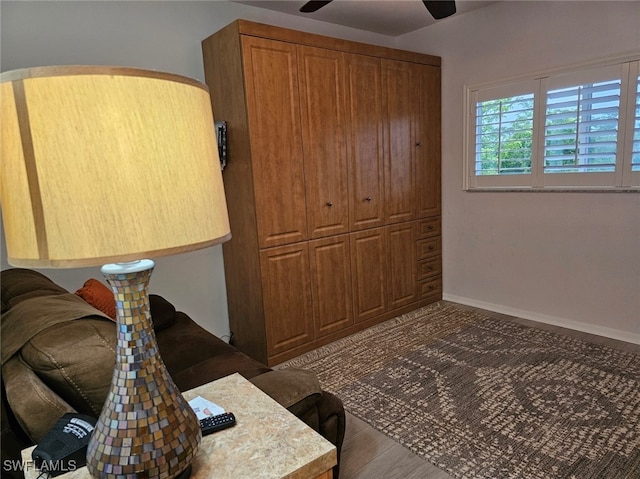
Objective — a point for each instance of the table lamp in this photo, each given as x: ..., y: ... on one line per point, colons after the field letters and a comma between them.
x: 114, y: 165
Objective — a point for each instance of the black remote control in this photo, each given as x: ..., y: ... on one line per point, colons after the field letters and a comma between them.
x: 212, y: 424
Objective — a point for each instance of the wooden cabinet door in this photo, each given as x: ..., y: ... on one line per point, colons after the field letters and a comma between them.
x: 368, y: 270
x: 402, y: 265
x: 331, y: 284
x: 399, y: 143
x: 427, y: 136
x: 366, y: 180
x: 273, y: 108
x: 322, y: 101
x: 286, y: 288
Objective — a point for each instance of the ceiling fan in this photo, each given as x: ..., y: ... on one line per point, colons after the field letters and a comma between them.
x: 437, y: 8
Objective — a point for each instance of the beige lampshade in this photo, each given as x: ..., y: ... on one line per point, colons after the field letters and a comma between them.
x: 107, y: 164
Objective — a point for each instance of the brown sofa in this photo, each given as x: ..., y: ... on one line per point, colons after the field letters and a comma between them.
x: 58, y: 353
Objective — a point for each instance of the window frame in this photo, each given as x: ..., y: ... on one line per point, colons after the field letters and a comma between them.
x: 626, y: 67
x: 630, y: 177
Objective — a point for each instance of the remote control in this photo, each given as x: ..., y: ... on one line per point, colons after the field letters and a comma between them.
x: 212, y: 424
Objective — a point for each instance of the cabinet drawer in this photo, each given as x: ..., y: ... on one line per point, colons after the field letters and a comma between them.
x: 429, y: 247
x: 429, y: 267
x: 430, y: 287
x: 429, y: 227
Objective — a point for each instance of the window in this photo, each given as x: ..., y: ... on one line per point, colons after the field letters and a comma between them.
x: 570, y: 130
x: 504, y: 135
x: 635, y: 152
x: 581, y: 128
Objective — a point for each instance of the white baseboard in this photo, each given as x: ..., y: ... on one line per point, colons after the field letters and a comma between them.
x: 543, y: 318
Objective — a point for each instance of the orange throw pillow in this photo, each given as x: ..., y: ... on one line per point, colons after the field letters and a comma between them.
x: 99, y: 296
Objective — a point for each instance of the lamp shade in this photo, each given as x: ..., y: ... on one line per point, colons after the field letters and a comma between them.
x: 107, y: 164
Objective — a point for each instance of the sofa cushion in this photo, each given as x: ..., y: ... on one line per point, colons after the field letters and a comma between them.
x: 194, y: 356
x: 76, y: 360
x: 30, y: 317
x: 20, y: 284
x: 163, y: 313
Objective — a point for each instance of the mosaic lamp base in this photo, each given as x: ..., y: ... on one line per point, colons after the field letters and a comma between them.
x: 146, y: 429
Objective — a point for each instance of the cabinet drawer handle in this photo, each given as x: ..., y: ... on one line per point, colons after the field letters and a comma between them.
x: 368, y: 198
x: 419, y: 143
x: 329, y: 204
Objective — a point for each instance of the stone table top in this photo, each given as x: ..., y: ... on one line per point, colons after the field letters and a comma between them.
x: 267, y: 442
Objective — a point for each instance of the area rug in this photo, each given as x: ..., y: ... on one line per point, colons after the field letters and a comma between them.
x: 487, y: 398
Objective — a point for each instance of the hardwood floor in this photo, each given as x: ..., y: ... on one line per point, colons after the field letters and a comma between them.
x: 369, y: 454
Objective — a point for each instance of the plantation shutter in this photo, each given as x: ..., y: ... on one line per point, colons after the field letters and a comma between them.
x: 581, y: 128
x: 502, y: 142
x: 635, y: 152
x: 572, y: 130
x: 504, y: 131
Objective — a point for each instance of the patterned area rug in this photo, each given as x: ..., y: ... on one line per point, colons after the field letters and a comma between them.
x: 485, y: 398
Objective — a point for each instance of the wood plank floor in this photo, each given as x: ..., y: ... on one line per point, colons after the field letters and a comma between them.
x: 369, y: 454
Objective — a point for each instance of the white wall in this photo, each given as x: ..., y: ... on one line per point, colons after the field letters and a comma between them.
x: 571, y: 259
x: 163, y: 36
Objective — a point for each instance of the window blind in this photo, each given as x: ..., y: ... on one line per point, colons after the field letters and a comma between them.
x: 635, y: 153
x: 504, y: 135
x: 581, y: 128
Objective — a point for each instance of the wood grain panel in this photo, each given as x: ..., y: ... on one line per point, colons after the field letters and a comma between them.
x: 277, y: 33
x: 399, y: 142
x: 366, y: 180
x: 430, y: 288
x: 322, y: 101
x: 368, y: 269
x: 429, y: 267
x: 401, y: 261
x: 287, y: 297
x: 429, y: 247
x: 271, y: 76
x: 429, y: 227
x: 428, y: 136
x: 331, y: 284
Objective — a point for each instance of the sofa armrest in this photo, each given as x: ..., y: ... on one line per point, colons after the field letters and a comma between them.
x: 34, y: 405
x: 296, y: 389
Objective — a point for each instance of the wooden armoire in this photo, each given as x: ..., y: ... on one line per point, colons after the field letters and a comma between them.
x: 332, y: 184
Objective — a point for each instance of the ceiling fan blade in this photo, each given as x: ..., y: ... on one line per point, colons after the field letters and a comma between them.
x: 438, y: 9
x: 314, y: 6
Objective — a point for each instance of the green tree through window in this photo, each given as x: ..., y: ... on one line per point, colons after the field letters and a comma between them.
x: 582, y: 128
x: 504, y: 135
